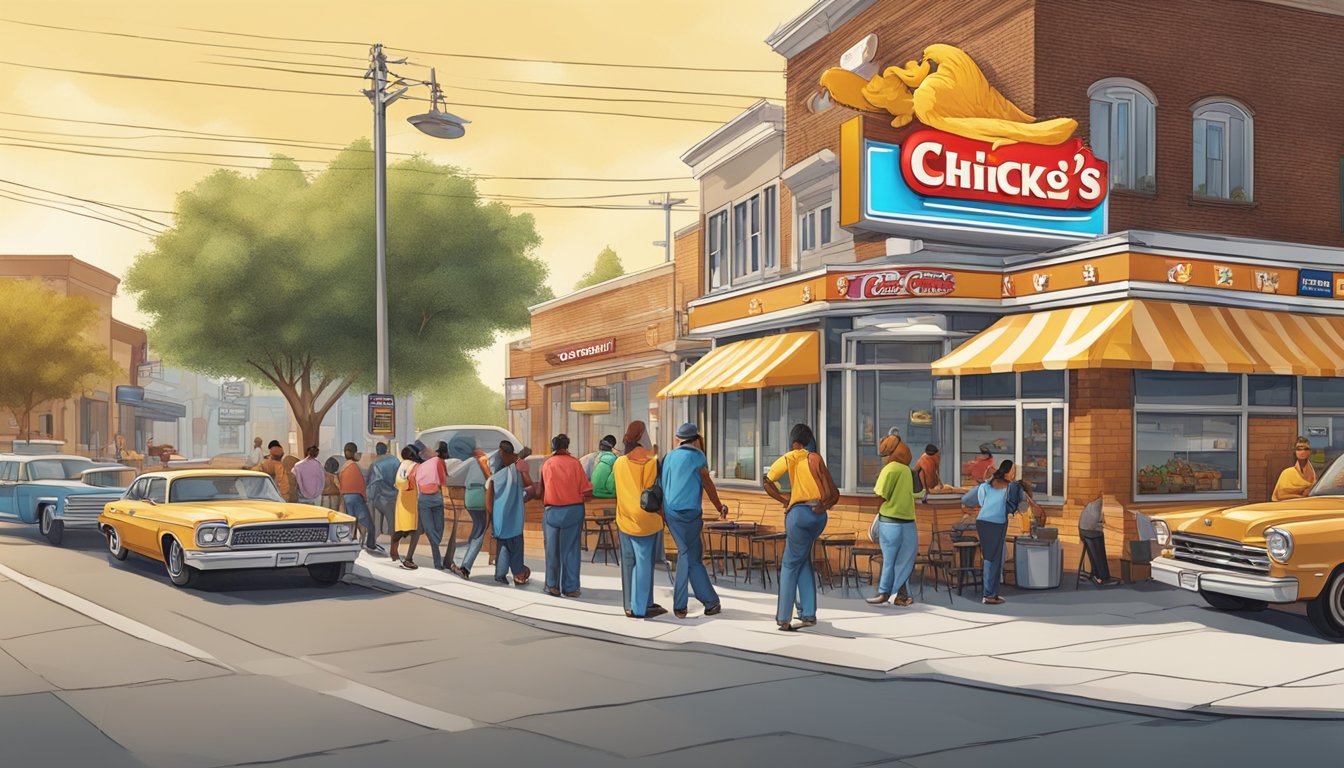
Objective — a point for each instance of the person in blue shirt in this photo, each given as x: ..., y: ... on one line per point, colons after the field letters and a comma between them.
x: 999, y: 496
x: 685, y: 481
x: 383, y: 487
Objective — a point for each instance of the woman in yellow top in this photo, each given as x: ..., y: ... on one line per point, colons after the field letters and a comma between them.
x: 407, y: 522
x: 1296, y: 481
x: 812, y: 493
x: 634, y: 471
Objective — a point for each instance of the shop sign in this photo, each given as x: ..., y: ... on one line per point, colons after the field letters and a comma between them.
x: 1066, y: 176
x: 232, y: 415
x: 1267, y: 282
x: 1313, y: 282
x: 382, y: 415
x: 515, y: 394
x: 894, y: 284
x: 584, y: 351
x: 234, y: 390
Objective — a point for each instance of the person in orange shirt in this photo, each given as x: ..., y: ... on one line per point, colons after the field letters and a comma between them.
x: 273, y: 465
x: 565, y: 487
x: 354, y: 493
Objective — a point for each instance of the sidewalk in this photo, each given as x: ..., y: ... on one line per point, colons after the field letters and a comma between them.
x: 1144, y: 645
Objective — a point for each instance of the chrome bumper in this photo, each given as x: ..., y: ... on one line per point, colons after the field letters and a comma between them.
x: 78, y: 521
x: 1194, y: 577
x: 218, y: 560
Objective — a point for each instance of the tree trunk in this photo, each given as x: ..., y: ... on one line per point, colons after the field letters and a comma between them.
x: 310, y: 429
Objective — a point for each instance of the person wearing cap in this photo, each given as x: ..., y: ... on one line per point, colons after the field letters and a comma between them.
x: 604, y: 482
x: 565, y: 488
x: 354, y: 494
x: 685, y: 482
x: 979, y: 469
x: 639, y: 530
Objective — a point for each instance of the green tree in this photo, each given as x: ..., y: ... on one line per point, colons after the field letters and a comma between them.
x: 605, y: 267
x: 271, y: 278
x: 460, y: 399
x: 48, y: 353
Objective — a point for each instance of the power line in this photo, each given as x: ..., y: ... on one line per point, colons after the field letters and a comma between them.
x: 161, y: 128
x: 113, y: 222
x: 274, y: 37
x: 127, y: 209
x: 91, y: 209
x: 172, y: 40
x: 147, y: 78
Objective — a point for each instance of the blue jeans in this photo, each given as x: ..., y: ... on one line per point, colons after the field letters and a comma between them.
x: 477, y: 538
x: 510, y: 557
x: 685, y: 528
x: 637, y: 571
x: 562, y: 527
x: 992, y: 538
x: 797, y: 580
x: 356, y: 507
x: 384, y: 505
x: 430, y: 508
x: 900, y: 544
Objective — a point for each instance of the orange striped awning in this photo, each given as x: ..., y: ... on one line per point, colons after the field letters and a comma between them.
x: 770, y: 361
x: 1155, y: 335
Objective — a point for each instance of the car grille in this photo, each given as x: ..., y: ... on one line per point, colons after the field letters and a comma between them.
x: 263, y: 535
x: 86, y: 506
x: 1220, y: 553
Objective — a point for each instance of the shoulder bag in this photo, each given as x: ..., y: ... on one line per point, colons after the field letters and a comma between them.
x: 651, y: 498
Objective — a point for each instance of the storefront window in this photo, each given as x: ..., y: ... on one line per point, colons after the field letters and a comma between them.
x: 835, y: 342
x: 835, y: 424
x: 614, y: 420
x: 1180, y: 453
x: 991, y: 386
x: 994, y: 428
x: 93, y: 424
x: 1326, y: 434
x: 738, y: 457
x: 1177, y: 388
x: 1322, y: 393
x: 899, y: 353
x: 1272, y: 391
x: 1042, y: 385
x: 782, y: 407
x: 1043, y: 450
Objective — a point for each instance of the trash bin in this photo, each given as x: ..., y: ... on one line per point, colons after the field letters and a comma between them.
x: 1038, y: 562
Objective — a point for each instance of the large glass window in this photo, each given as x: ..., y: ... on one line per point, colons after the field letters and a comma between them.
x: 782, y: 407
x: 1176, y: 388
x: 1272, y: 391
x: 1124, y: 132
x: 754, y: 428
x: 746, y: 246
x: 737, y: 461
x: 1223, y: 151
x: 1180, y: 453
x: 93, y: 424
x: 981, y: 428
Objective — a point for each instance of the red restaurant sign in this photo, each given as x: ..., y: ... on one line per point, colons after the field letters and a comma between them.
x: 897, y: 283
x: 584, y: 351
x: 1067, y: 175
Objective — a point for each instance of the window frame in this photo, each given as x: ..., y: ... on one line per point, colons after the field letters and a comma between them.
x: 1243, y: 412
x: 747, y: 234
x: 1115, y: 91
x: 717, y: 223
x: 1223, y: 110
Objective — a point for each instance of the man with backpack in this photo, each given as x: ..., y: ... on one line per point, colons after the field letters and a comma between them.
x: 604, y: 482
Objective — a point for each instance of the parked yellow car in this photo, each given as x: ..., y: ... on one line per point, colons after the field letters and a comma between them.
x: 210, y: 519
x: 1243, y: 558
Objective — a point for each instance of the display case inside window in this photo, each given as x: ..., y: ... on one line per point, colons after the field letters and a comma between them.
x: 994, y: 428
x: 1043, y: 450
x: 1186, y: 454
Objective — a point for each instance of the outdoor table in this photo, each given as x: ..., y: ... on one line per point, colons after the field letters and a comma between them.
x: 966, y: 562
x: 727, y: 530
x: 843, y: 542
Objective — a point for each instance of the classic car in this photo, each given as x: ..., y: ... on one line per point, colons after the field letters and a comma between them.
x: 487, y: 438
x: 212, y: 519
x: 1242, y: 558
x: 57, y: 491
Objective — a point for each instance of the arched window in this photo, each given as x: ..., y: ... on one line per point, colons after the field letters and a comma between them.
x: 1224, y: 154
x: 1124, y: 132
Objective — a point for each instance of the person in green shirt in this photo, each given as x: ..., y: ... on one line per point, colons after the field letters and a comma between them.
x: 896, y: 531
x: 604, y: 482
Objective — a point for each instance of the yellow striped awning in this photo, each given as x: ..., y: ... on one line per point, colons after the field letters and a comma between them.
x: 770, y: 361
x: 1155, y: 335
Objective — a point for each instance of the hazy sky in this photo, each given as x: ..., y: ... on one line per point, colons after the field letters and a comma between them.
x: 42, y: 148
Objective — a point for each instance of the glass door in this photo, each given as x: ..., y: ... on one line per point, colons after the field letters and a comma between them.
x: 1036, y: 453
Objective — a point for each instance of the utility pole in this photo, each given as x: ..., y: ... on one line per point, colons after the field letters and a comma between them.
x: 666, y: 204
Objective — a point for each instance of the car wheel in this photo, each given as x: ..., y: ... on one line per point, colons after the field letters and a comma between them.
x: 1326, y: 612
x: 114, y: 545
x: 326, y: 574
x: 1232, y: 602
x: 52, y: 528
x: 175, y: 560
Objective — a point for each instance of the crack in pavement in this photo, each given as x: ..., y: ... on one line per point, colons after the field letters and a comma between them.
x: 50, y: 631
x: 302, y: 755
x: 1013, y: 739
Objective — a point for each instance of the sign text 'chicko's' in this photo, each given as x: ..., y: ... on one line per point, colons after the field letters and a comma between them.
x: 580, y: 352
x: 1063, y: 176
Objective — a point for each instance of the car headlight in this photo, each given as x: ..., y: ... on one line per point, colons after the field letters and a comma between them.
x: 212, y: 535
x: 342, y: 531
x: 1280, y: 544
x: 1163, y: 532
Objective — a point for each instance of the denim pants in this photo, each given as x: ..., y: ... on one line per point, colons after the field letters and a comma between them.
x: 900, y: 544
x: 992, y: 538
x: 384, y: 506
x: 510, y: 557
x: 797, y: 580
x: 685, y: 528
x: 430, y: 508
x: 563, y: 527
x: 356, y: 507
x: 637, y: 571
x: 477, y: 538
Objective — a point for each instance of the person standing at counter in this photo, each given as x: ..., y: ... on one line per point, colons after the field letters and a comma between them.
x: 979, y: 469
x: 686, y: 481
x: 812, y: 492
x: 565, y: 488
x: 1296, y: 481
x: 639, y: 530
x: 896, y: 531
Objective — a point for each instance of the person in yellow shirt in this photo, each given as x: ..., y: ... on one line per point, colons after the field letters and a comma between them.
x: 1296, y: 481
x: 407, y: 522
x: 812, y: 492
x: 639, y: 530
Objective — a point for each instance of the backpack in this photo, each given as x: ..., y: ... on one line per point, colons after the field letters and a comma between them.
x: 474, y: 495
x: 916, y: 478
x: 651, y: 498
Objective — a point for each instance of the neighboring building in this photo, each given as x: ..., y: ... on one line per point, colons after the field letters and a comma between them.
x: 86, y: 424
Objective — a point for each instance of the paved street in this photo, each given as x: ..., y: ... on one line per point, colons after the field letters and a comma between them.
x: 109, y: 665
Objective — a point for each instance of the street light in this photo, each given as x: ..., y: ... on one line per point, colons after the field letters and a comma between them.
x: 436, y: 123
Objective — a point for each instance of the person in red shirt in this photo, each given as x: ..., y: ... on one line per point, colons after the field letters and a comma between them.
x: 565, y: 487
x: 354, y: 493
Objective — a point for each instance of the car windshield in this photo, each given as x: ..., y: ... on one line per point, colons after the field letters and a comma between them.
x: 1331, y: 482
x: 109, y: 478
x: 223, y: 488
x: 485, y: 439
x: 57, y: 469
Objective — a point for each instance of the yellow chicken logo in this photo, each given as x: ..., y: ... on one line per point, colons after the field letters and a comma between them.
x: 955, y: 98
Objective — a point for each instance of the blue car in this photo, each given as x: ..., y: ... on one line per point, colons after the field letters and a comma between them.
x: 58, y: 491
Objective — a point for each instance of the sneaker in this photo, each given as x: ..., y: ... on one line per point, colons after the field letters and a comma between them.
x: 654, y: 612
x: 879, y: 598
x: 714, y: 610
x: 501, y: 580
x: 521, y: 580
x: 992, y: 600
x: 575, y: 593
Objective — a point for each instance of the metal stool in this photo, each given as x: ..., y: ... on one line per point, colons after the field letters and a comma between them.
x: 965, y: 560
x: 606, y: 540
x: 769, y: 556
x: 872, y: 552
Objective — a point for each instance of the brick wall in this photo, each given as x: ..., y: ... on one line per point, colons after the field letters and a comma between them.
x: 1269, y: 449
x: 689, y: 254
